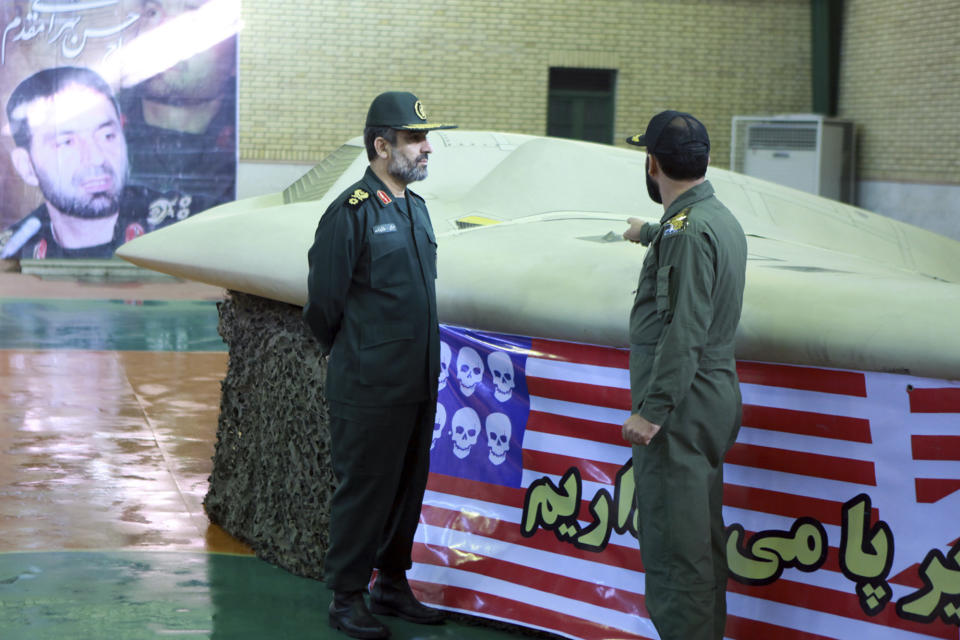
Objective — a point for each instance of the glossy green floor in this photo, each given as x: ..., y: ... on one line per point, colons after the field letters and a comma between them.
x: 107, y: 425
x: 140, y: 595
x: 109, y: 325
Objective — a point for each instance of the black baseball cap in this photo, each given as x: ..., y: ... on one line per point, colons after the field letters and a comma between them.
x: 401, y: 110
x: 672, y: 132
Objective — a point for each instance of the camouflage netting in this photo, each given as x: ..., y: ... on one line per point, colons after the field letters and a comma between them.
x: 271, y: 483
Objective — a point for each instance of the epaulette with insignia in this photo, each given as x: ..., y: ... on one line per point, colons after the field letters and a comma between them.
x: 357, y: 197
x: 677, y: 223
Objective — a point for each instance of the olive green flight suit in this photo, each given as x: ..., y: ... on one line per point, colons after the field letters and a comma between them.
x: 372, y: 305
x: 683, y: 377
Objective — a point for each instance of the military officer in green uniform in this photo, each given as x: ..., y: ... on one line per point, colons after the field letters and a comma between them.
x: 372, y: 306
x: 685, y: 396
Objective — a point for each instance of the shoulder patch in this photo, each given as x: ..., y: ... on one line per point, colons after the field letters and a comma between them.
x: 677, y: 223
x: 357, y: 197
x: 133, y: 230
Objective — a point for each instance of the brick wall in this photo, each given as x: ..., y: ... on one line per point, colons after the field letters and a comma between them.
x: 900, y: 82
x: 309, y: 70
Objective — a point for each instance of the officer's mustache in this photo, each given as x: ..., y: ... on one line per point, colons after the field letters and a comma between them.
x: 95, y: 173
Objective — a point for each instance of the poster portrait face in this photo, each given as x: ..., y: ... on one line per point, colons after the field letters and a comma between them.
x: 77, y: 153
x: 171, y: 70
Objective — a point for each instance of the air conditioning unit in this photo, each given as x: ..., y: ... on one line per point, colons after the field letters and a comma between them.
x: 810, y: 152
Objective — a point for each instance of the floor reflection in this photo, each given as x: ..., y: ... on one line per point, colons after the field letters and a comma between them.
x: 107, y: 449
x: 159, y: 325
x: 108, y: 420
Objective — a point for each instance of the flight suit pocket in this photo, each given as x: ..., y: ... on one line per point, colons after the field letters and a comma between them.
x: 384, y: 352
x: 641, y: 365
x: 664, y: 302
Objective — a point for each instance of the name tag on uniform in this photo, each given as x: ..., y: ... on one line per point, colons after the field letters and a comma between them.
x: 385, y: 228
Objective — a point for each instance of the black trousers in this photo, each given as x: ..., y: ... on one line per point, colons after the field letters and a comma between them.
x: 381, y: 458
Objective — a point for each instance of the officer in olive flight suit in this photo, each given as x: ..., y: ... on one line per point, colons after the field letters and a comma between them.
x: 372, y: 306
x: 685, y: 395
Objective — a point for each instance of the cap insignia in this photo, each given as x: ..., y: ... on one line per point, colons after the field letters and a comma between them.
x: 418, y: 108
x: 358, y: 196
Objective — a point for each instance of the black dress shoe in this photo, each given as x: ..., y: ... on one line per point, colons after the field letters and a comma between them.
x: 349, y: 613
x: 391, y: 596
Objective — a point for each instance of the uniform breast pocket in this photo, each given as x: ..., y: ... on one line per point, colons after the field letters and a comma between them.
x: 664, y: 300
x: 388, y: 260
x: 431, y: 257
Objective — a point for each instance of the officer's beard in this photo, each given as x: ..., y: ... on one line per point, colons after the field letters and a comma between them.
x: 653, y: 189
x: 407, y: 171
x: 78, y: 204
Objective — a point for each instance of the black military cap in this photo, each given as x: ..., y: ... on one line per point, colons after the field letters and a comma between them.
x: 672, y: 132
x: 401, y: 110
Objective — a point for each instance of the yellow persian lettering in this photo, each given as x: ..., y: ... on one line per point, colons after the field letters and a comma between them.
x: 940, y: 594
x: 625, y: 499
x: 763, y: 558
x: 866, y: 554
x: 596, y: 536
x: 550, y: 507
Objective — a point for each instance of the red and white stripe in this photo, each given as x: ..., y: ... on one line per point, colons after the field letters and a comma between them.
x: 811, y: 440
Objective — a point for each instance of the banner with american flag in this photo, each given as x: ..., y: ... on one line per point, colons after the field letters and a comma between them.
x: 842, y: 497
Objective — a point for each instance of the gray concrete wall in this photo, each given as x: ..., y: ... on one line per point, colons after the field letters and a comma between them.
x: 935, y: 207
x: 259, y: 178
